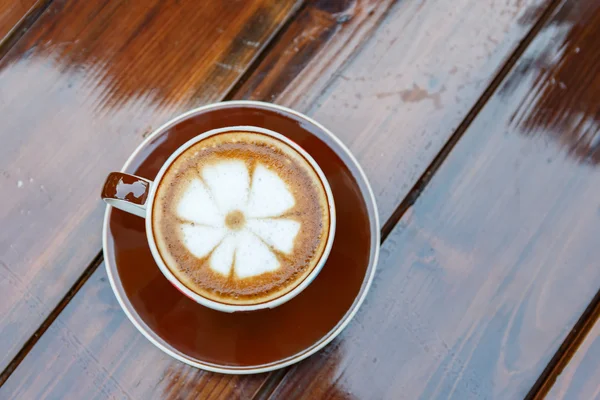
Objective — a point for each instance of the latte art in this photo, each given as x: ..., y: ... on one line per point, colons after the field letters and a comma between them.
x: 241, y: 218
x: 233, y: 215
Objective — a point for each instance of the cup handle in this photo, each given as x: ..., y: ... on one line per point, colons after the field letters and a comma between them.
x: 127, y: 192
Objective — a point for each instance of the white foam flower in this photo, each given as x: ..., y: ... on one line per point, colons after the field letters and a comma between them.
x: 234, y: 218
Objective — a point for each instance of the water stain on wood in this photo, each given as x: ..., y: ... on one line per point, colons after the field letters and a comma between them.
x: 416, y: 94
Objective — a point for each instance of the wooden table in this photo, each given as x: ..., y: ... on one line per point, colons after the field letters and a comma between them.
x: 477, y: 122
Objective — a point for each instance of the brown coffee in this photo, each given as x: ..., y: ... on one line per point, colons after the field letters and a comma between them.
x: 241, y: 218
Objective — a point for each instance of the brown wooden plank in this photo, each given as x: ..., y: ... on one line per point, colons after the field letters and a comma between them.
x: 332, y: 43
x: 11, y: 12
x: 78, y: 92
x: 580, y: 379
x: 488, y: 272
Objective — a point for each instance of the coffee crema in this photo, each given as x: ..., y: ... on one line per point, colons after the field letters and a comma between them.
x: 241, y: 218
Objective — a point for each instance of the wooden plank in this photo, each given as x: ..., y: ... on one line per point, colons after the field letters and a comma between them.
x: 78, y: 93
x: 581, y: 377
x: 487, y: 273
x: 333, y: 43
x: 11, y: 12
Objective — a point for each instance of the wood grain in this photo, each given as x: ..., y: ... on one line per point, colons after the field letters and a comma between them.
x: 487, y: 273
x: 581, y: 377
x: 78, y: 93
x: 347, y: 64
x: 11, y: 12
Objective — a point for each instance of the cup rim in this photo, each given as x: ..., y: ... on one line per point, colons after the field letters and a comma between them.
x: 216, y: 305
x: 369, y: 198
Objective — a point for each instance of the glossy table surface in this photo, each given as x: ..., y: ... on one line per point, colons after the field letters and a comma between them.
x: 477, y: 123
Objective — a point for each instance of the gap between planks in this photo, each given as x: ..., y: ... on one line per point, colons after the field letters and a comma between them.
x: 566, y: 351
x: 50, y: 319
x: 21, y: 27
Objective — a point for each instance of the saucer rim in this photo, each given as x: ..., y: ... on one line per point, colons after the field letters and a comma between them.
x: 375, y: 227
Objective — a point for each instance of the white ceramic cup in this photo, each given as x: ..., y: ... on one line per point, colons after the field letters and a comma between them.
x: 136, y: 195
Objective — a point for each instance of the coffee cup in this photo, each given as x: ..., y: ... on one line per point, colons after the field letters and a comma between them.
x: 238, y: 218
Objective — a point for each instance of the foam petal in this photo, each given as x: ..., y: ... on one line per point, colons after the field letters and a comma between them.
x: 269, y: 194
x: 221, y: 259
x: 253, y: 257
x: 197, y: 205
x: 279, y: 233
x: 229, y: 183
x: 200, y: 240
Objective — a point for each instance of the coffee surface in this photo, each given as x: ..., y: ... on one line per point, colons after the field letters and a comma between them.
x: 241, y: 218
